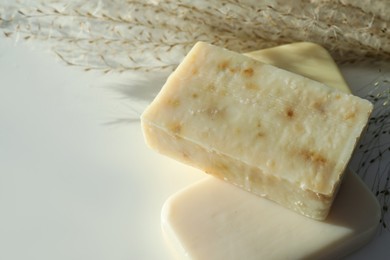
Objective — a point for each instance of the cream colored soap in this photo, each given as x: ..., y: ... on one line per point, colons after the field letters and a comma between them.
x: 305, y: 58
x: 214, y: 220
x: 272, y: 132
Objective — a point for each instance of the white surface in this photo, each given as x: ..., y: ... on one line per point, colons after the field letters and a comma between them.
x: 73, y: 186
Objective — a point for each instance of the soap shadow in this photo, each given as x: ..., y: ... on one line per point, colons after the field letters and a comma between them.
x: 136, y: 93
x: 139, y: 90
x: 346, y: 203
x: 353, y: 199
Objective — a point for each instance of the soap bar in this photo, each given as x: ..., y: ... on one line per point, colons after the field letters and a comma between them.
x: 304, y: 58
x: 272, y: 132
x: 214, y: 220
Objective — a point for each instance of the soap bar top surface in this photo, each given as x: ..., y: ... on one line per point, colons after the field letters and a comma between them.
x: 288, y: 126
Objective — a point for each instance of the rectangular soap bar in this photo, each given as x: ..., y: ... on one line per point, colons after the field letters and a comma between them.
x: 272, y: 132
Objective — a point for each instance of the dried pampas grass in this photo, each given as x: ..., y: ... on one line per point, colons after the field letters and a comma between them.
x: 154, y: 35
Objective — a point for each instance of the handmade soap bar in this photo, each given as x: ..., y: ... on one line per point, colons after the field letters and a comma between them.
x: 214, y: 220
x: 272, y: 132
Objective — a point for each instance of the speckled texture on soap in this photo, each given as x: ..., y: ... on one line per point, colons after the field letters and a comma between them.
x: 287, y: 127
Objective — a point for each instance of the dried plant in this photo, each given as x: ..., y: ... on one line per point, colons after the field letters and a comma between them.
x: 137, y: 35
x: 142, y: 36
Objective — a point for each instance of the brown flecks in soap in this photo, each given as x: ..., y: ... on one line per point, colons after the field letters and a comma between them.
x: 185, y: 155
x: 175, y: 128
x: 290, y: 112
x: 223, y: 65
x: 194, y: 70
x: 223, y: 92
x: 350, y: 115
x: 173, y: 102
x: 313, y: 156
x: 250, y: 86
x: 222, y: 167
x: 260, y: 134
x: 194, y: 95
x: 248, y: 72
x: 218, y: 169
x: 233, y: 70
x: 319, y: 106
x: 210, y: 87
